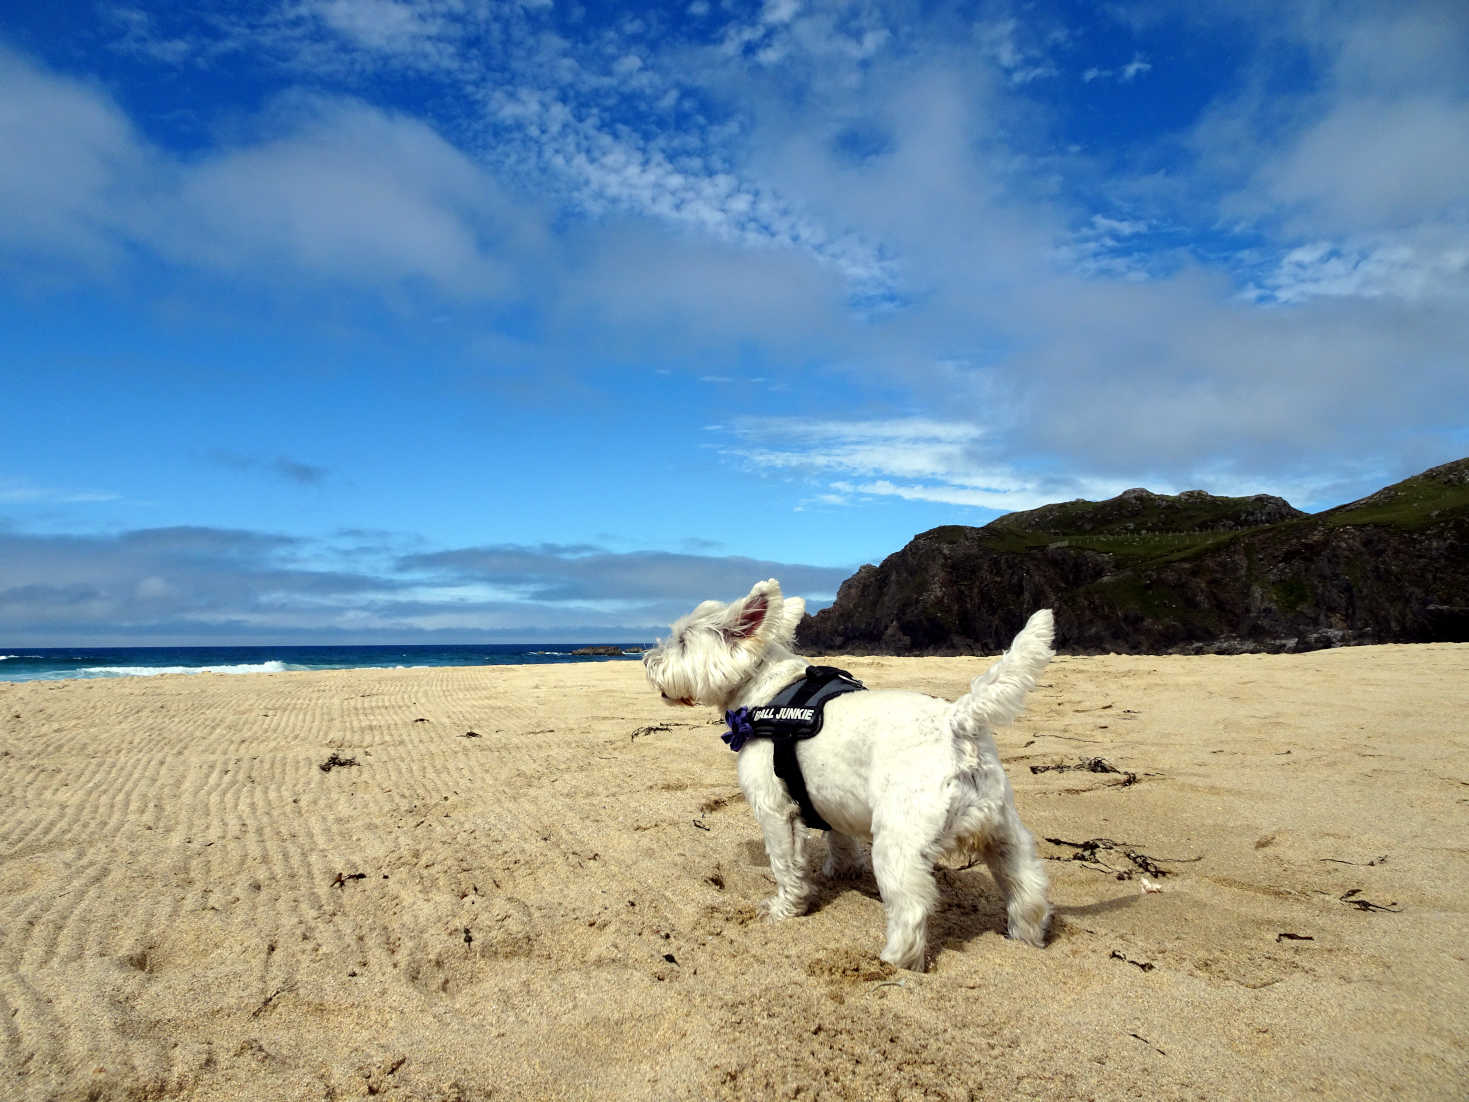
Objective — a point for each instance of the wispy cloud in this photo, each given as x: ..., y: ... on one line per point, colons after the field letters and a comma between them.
x: 1134, y: 69
x: 915, y: 459
x: 1124, y: 74
x: 1019, y: 49
x: 1410, y: 267
x: 41, y: 495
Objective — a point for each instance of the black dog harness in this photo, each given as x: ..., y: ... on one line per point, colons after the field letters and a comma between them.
x: 795, y: 713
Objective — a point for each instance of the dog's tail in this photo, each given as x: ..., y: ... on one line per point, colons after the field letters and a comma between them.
x: 996, y: 696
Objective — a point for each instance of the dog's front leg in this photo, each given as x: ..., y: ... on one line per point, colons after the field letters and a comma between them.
x: 786, y: 844
x: 786, y: 838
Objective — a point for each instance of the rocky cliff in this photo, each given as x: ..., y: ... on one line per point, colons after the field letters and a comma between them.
x: 1151, y: 573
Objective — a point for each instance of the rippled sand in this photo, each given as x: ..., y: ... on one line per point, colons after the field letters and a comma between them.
x: 191, y: 907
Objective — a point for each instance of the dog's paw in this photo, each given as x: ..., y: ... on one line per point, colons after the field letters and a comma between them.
x: 1030, y: 933
x: 778, y: 908
x: 910, y: 957
x: 1029, y: 921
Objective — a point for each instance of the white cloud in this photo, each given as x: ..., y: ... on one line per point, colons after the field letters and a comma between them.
x: 139, y: 36
x: 1373, y: 163
x: 1120, y: 227
x: 1124, y: 74
x: 344, y: 192
x: 687, y: 293
x: 378, y: 24
x: 1000, y: 40
x: 1356, y: 183
x: 911, y: 447
x: 15, y: 494
x: 1392, y: 49
x: 1021, y: 49
x: 1413, y: 268
x: 1134, y: 69
x: 999, y: 500
x: 623, y: 172
x: 911, y: 458
x: 152, y: 588
x: 352, y: 194
x: 1169, y: 376
x: 74, y: 171
x: 779, y: 11
x: 1102, y: 249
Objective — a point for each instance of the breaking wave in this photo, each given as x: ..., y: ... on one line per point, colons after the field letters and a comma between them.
x: 150, y: 671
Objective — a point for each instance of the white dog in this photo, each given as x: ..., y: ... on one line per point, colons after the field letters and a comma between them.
x: 917, y: 777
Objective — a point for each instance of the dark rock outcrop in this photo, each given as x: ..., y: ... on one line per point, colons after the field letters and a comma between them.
x: 1149, y: 573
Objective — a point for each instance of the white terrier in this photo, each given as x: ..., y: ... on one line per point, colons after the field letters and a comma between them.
x: 916, y: 776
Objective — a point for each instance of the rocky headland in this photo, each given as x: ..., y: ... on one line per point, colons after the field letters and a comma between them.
x: 1146, y: 573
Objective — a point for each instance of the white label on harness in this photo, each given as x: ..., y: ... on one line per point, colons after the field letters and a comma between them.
x: 799, y: 715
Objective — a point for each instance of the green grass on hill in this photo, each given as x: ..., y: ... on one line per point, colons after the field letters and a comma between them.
x: 1408, y: 505
x: 1158, y: 529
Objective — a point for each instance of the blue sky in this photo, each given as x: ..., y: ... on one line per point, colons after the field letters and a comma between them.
x: 358, y: 320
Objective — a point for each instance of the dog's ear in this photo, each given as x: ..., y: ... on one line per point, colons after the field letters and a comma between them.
x: 755, y: 615
x: 790, y: 618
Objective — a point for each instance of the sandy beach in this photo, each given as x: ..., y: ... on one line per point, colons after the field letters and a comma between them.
x: 540, y: 882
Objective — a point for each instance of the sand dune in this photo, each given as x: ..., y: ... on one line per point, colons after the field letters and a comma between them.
x: 192, y: 907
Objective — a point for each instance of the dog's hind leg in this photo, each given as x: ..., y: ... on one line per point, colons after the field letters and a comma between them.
x: 843, y: 857
x: 1010, y: 854
x: 904, y: 870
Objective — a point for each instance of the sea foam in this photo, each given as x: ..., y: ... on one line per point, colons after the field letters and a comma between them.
x: 150, y: 671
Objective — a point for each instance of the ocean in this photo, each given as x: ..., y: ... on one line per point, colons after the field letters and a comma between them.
x: 57, y: 663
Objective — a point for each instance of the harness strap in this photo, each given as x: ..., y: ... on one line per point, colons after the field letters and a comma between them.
x: 788, y: 769
x: 796, y: 713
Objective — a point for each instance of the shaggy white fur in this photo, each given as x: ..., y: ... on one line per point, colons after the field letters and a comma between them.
x: 917, y: 777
